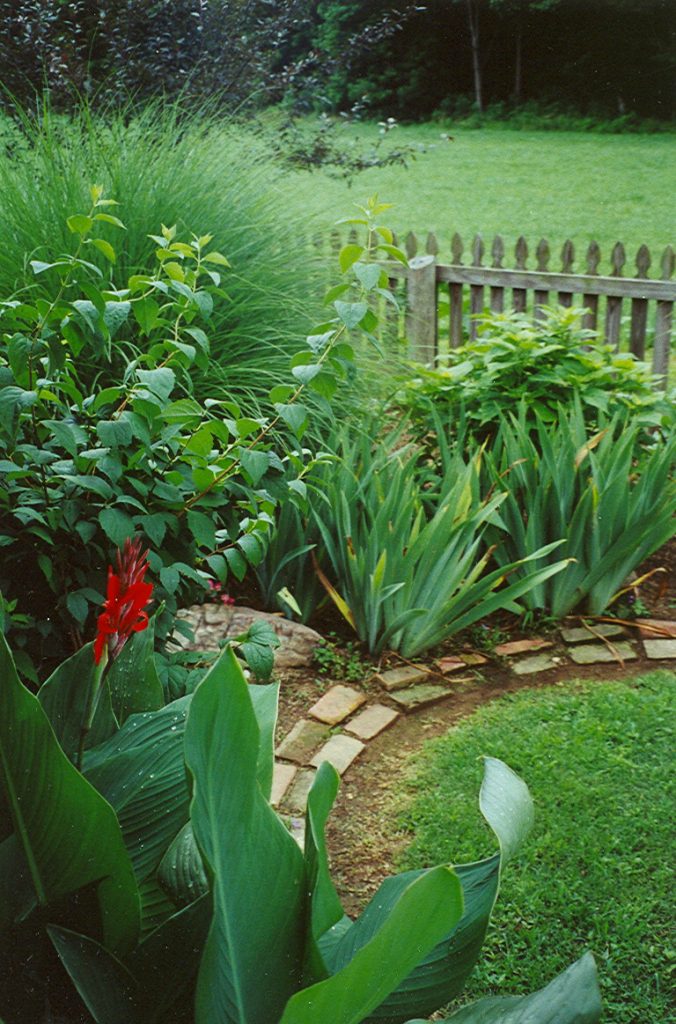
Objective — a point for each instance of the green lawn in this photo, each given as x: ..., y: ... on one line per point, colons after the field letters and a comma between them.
x: 574, y: 185
x: 596, y: 872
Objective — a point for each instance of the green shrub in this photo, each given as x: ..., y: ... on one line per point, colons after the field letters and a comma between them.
x: 613, y: 508
x: 166, y: 166
x: 101, y: 438
x: 543, y: 363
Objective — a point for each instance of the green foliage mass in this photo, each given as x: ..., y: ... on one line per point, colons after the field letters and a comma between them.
x: 611, y: 501
x: 102, y: 438
x: 166, y: 166
x: 200, y: 905
x: 539, y: 364
x: 597, y: 871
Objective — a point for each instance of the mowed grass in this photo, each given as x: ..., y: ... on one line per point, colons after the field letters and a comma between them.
x: 575, y: 185
x: 596, y: 873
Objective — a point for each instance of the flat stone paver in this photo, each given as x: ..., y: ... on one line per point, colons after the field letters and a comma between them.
x: 593, y: 654
x: 418, y: 696
x: 659, y: 649
x: 398, y: 678
x: 451, y: 664
x: 472, y: 658
x: 302, y: 741
x: 666, y: 628
x: 282, y: 777
x: 521, y: 647
x: 580, y: 635
x: 340, y: 751
x: 372, y: 721
x: 337, y: 704
x: 536, y: 663
x: 296, y: 798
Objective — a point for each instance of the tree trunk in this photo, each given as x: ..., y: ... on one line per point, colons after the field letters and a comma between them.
x: 518, y: 62
x: 473, y: 20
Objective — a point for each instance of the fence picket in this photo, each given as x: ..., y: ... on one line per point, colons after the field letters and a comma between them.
x: 639, y: 307
x: 567, y: 259
x: 497, y: 292
x: 455, y: 295
x: 520, y: 295
x: 591, y: 301
x: 540, y: 296
x: 614, y: 302
x: 476, y: 291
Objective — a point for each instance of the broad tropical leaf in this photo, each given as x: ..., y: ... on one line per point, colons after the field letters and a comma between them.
x: 141, y: 772
x: 507, y: 806
x: 64, y: 696
x: 145, y: 987
x: 106, y: 987
x: 427, y: 909
x: 69, y: 834
x: 133, y: 680
x: 253, y: 957
x: 573, y: 997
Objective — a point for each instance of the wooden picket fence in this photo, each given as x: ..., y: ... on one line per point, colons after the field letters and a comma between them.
x: 475, y: 287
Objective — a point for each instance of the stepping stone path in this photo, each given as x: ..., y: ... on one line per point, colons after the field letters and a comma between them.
x: 338, y: 727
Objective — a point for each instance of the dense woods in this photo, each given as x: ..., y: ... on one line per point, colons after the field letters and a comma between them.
x: 402, y: 59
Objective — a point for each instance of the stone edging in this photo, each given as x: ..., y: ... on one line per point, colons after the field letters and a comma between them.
x: 311, y: 740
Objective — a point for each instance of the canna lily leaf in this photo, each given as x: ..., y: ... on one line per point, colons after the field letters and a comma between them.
x: 256, y: 866
x: 507, y: 806
x: 427, y: 908
x: 140, y: 771
x: 69, y: 834
x: 573, y: 997
x: 63, y: 697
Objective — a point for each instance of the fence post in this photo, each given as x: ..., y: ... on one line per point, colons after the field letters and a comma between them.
x: 421, y: 309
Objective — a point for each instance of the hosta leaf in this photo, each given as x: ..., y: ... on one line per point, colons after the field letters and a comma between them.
x: 257, y: 868
x: 69, y: 833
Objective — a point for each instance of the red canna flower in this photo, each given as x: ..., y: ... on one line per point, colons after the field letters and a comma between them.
x: 126, y: 597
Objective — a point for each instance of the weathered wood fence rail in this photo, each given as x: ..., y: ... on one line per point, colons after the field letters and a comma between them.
x: 496, y: 288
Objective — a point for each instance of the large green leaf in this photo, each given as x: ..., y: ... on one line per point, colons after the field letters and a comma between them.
x: 507, y: 806
x: 64, y: 697
x: 167, y: 961
x: 141, y: 772
x: 145, y: 987
x: 133, y: 680
x: 107, y: 988
x: 181, y: 872
x: 265, y: 700
x: 425, y: 911
x: 69, y: 834
x: 253, y: 957
x: 573, y: 997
